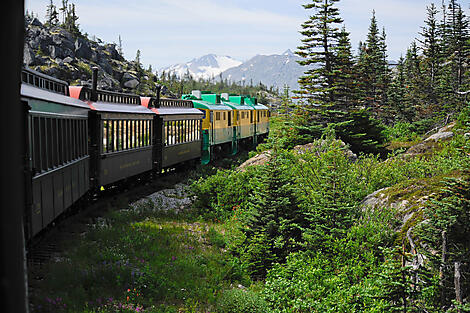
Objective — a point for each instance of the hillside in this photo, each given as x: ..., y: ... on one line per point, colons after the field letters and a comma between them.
x: 57, y: 52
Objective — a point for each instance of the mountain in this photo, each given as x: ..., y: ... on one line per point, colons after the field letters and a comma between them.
x: 271, y: 70
x: 208, y: 66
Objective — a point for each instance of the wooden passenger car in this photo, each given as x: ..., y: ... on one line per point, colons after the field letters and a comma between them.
x: 58, y: 158
x: 121, y: 131
x: 178, y: 131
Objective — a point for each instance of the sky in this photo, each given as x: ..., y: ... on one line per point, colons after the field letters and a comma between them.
x: 168, y: 32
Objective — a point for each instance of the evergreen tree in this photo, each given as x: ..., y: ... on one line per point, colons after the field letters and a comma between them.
x: 275, y: 230
x: 399, y: 107
x: 373, y: 68
x: 52, y: 17
x: 431, y: 47
x: 448, y: 231
x: 345, y: 87
x: 320, y: 34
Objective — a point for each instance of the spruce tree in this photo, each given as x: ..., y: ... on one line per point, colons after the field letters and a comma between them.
x: 431, y: 47
x: 448, y: 231
x: 275, y: 230
x: 52, y: 17
x: 320, y: 34
x: 373, y: 68
x: 345, y: 87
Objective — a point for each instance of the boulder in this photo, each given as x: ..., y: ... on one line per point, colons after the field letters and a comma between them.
x: 259, y: 159
x: 29, y: 57
x: 439, y: 136
x: 68, y: 60
x: 82, y: 49
x: 129, y: 80
x: 36, y: 22
x: 321, y: 146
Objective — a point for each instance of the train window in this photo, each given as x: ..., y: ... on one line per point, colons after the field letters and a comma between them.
x: 55, y: 145
x: 138, y: 133
x: 225, y: 116
x: 217, y: 116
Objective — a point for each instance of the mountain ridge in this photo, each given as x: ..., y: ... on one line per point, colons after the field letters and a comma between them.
x: 276, y: 70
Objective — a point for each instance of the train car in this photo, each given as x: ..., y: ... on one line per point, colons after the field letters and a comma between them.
x: 57, y: 156
x: 245, y: 115
x: 260, y: 119
x: 243, y: 118
x: 177, y: 129
x: 217, y: 124
x: 120, y: 131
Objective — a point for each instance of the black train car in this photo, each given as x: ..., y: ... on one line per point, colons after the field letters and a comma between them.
x: 58, y: 160
x: 120, y: 134
x: 177, y: 131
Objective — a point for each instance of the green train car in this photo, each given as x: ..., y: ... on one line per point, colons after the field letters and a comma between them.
x: 229, y: 122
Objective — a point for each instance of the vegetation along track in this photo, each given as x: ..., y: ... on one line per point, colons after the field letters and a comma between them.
x: 47, y: 245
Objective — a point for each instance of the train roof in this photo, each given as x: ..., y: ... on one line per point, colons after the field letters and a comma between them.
x: 170, y: 106
x: 237, y: 106
x: 201, y: 104
x: 108, y: 101
x: 42, y: 87
x: 259, y: 106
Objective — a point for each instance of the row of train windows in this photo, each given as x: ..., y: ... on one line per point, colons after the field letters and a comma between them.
x: 218, y: 116
x: 183, y: 131
x: 56, y: 141
x: 121, y: 135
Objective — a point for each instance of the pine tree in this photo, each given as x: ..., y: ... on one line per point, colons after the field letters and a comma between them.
x: 120, y: 46
x: 52, y: 17
x: 448, y: 231
x: 373, y: 68
x: 399, y: 106
x: 320, y: 34
x: 431, y: 47
x: 345, y: 87
x: 277, y: 221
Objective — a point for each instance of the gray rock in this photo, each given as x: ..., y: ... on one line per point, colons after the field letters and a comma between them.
x: 82, y: 49
x: 68, y: 60
x: 106, y: 66
x: 36, y: 22
x: 56, y: 52
x: 29, y: 57
x: 131, y: 83
x: 440, y: 136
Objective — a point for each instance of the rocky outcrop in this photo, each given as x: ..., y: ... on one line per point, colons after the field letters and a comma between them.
x: 321, y: 146
x: 430, y: 143
x: 317, y: 147
x: 259, y: 159
x: 176, y: 199
x: 55, y: 51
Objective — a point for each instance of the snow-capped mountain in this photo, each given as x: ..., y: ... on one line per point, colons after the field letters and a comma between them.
x: 206, y: 67
x: 272, y: 70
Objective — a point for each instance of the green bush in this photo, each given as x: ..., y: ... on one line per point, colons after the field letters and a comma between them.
x: 242, y: 301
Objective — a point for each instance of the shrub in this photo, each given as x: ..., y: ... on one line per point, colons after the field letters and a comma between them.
x: 243, y: 301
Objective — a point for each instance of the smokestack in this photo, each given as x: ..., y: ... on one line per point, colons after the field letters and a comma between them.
x: 159, y: 89
x: 94, y: 84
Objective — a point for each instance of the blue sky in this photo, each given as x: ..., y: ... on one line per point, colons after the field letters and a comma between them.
x: 175, y: 31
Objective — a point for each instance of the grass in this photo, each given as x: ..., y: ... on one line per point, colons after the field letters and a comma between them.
x: 139, y: 261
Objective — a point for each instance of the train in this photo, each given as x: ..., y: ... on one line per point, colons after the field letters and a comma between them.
x: 80, y: 140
